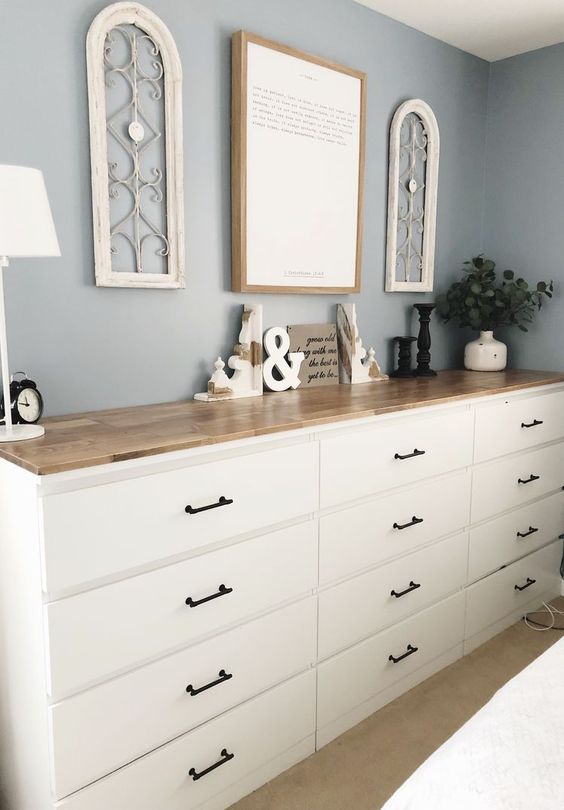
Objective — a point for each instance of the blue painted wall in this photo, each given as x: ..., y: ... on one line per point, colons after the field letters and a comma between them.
x: 524, y: 190
x: 93, y: 348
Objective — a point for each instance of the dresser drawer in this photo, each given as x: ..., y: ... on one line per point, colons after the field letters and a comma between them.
x: 94, y: 532
x: 252, y: 734
x: 393, y: 454
x: 110, y: 629
x: 518, y: 424
x: 358, y: 674
x: 505, y: 484
x: 118, y: 732
x: 503, y: 592
x: 361, y: 606
x: 363, y: 536
x: 505, y: 539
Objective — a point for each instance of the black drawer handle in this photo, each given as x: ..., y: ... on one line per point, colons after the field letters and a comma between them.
x: 223, y: 501
x: 410, y: 650
x: 534, y: 423
x: 412, y: 587
x: 532, y: 530
x: 223, y: 676
x: 527, y: 584
x: 413, y: 522
x: 529, y: 479
x: 225, y: 757
x: 416, y: 452
x: 221, y: 591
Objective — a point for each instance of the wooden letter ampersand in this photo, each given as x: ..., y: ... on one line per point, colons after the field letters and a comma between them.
x: 276, y: 344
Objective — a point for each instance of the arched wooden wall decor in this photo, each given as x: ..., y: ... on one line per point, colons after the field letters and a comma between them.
x: 412, y: 198
x: 135, y: 103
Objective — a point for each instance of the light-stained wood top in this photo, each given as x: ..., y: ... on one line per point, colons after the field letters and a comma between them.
x: 103, y: 437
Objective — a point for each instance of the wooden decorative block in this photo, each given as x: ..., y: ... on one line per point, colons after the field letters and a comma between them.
x: 356, y: 365
x: 246, y: 362
x: 318, y: 342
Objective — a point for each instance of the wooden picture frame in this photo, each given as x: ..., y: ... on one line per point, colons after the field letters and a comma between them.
x: 345, y: 221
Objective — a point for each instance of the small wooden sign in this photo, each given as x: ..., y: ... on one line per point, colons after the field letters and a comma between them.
x: 318, y: 342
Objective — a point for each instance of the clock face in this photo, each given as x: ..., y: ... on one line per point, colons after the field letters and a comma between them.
x: 29, y: 405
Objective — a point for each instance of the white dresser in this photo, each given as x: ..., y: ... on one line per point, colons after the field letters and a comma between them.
x: 178, y: 627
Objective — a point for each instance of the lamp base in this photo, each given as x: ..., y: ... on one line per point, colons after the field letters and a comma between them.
x: 19, y: 433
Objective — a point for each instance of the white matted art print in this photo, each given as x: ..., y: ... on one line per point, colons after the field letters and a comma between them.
x: 297, y: 170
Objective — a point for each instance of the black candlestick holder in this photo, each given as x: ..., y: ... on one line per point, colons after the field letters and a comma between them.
x: 404, y: 357
x: 424, y: 341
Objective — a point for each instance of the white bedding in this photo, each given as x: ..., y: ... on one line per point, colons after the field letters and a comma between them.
x: 509, y: 756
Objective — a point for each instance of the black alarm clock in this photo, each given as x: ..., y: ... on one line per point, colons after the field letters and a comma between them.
x: 26, y: 402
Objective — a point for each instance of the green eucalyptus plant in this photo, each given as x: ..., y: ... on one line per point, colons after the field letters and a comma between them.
x: 479, y: 301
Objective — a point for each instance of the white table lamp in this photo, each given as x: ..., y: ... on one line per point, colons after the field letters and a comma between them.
x: 26, y: 230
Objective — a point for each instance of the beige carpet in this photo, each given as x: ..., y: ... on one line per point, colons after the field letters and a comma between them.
x: 361, y: 769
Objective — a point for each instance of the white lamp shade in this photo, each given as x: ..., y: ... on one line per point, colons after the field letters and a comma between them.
x: 26, y: 224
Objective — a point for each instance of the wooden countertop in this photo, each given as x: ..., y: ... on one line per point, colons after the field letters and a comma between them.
x: 102, y: 437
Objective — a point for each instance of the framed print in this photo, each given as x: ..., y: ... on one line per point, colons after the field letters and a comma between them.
x: 298, y: 135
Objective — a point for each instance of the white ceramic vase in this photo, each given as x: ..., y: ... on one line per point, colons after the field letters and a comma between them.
x: 485, y: 354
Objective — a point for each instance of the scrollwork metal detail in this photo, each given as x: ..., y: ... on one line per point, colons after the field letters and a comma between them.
x: 135, y: 135
x: 136, y: 141
x: 412, y: 198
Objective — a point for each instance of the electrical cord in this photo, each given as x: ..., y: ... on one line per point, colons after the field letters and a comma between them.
x: 549, y: 610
